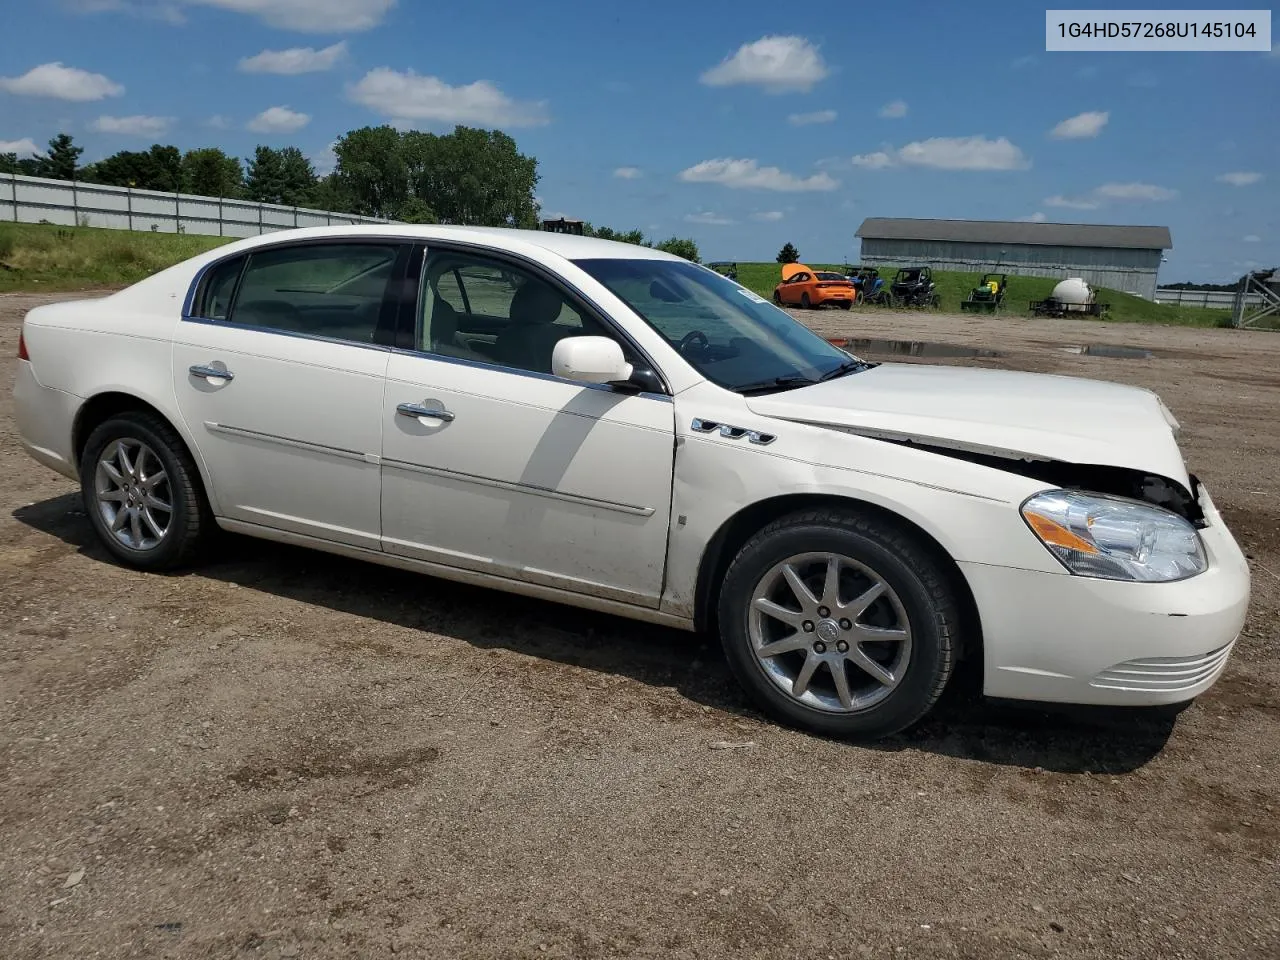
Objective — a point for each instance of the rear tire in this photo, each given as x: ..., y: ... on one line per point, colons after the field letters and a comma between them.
x: 142, y: 492
x: 889, y: 622
x: 804, y: 301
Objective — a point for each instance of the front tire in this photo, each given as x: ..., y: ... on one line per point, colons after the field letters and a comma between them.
x: 840, y: 624
x: 142, y: 492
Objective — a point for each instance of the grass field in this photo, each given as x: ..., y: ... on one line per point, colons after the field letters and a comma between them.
x: 36, y: 257
x: 953, y: 287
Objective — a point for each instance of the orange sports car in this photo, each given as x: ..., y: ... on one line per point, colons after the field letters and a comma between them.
x: 803, y: 286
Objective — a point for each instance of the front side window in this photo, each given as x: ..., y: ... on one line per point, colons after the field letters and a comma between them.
x: 473, y: 308
x: 727, y: 333
x: 328, y: 290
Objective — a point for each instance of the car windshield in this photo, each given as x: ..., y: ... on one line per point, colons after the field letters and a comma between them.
x: 732, y: 336
x: 826, y: 275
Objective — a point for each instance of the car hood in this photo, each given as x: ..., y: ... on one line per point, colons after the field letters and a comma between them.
x: 1001, y: 412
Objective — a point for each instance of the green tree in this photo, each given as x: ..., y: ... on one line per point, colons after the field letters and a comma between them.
x: 415, y: 210
x: 681, y: 247
x: 208, y: 172
x: 299, y: 177
x: 331, y: 193
x: 62, y: 160
x: 9, y: 163
x: 474, y: 177
x: 371, y: 170
x: 788, y: 253
x: 264, y: 179
x: 608, y: 233
x: 159, y: 168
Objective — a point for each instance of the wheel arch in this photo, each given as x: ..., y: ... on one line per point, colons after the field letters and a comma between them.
x: 737, y: 529
x: 109, y: 403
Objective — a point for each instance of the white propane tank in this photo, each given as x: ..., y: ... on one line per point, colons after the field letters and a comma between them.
x: 1074, y: 293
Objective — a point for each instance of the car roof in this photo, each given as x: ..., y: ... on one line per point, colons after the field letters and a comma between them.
x: 566, y: 245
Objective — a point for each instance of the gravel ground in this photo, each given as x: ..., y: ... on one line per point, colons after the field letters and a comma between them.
x: 284, y: 754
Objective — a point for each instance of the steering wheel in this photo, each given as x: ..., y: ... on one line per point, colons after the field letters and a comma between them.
x: 692, y: 337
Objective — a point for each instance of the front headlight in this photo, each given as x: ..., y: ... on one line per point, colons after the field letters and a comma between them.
x: 1113, y: 538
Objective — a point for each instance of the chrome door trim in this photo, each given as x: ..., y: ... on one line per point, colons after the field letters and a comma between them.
x: 515, y: 371
x: 246, y: 434
x: 573, y: 594
x: 627, y: 508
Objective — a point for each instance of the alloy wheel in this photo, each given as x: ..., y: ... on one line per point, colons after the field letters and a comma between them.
x: 829, y: 632
x: 134, y: 496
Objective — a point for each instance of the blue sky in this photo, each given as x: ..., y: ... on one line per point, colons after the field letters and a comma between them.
x: 743, y: 125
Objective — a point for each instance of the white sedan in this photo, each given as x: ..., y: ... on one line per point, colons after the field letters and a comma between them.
x: 609, y: 426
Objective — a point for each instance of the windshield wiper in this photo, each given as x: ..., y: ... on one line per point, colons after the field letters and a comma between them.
x: 847, y: 367
x: 775, y: 385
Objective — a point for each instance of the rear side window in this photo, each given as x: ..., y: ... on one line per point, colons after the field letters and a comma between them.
x: 219, y: 288
x: 329, y: 290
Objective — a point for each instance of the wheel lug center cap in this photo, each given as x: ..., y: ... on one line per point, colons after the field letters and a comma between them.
x: 827, y: 631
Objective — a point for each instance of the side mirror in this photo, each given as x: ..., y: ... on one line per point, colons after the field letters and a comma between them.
x: 593, y: 359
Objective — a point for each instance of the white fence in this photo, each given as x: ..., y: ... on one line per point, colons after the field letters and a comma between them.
x: 1215, y: 299
x: 36, y: 200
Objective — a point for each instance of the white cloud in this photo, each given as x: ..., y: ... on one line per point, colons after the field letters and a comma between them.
x: 21, y: 147
x: 873, y: 161
x: 135, y: 126
x: 408, y: 96
x: 309, y: 16
x: 279, y: 120
x: 748, y: 174
x: 628, y: 173
x: 1098, y: 196
x: 1071, y: 203
x: 1036, y: 217
x: 950, y: 153
x: 62, y: 83
x: 1134, y: 191
x: 964, y: 153
x: 707, y: 217
x: 894, y: 109
x: 218, y: 122
x: 767, y: 216
x: 325, y: 161
x: 295, y: 60
x: 806, y: 119
x: 1082, y: 126
x: 1021, y: 62
x: 778, y: 64
x: 1240, y: 179
x: 1251, y: 238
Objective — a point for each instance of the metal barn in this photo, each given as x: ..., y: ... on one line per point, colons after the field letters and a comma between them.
x: 1119, y: 257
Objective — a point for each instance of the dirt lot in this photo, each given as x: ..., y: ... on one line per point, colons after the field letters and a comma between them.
x: 284, y: 754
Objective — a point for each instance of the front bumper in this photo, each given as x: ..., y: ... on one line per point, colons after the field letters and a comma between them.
x: 1067, y: 639
x: 45, y: 419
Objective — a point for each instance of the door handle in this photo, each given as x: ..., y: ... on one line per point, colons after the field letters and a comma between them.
x: 211, y: 373
x: 417, y: 410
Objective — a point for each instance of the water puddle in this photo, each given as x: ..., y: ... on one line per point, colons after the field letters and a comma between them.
x: 1111, y: 350
x: 911, y: 348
